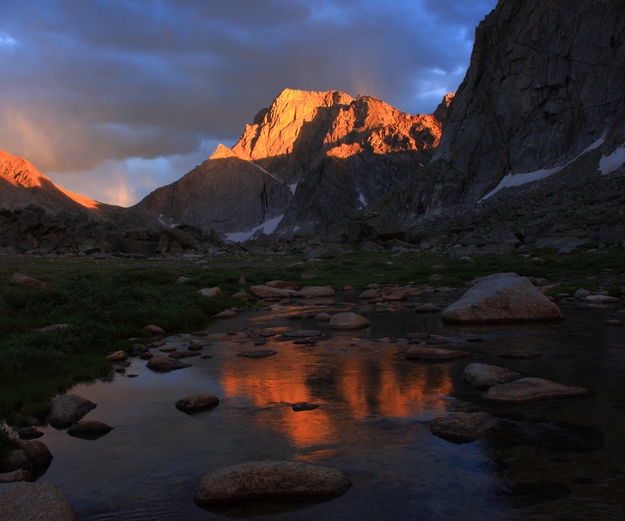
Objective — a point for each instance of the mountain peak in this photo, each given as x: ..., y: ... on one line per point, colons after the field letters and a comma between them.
x: 222, y: 152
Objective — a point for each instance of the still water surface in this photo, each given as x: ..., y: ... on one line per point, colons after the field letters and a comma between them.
x: 372, y: 423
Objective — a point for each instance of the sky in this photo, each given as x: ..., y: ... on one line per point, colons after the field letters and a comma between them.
x: 113, y: 98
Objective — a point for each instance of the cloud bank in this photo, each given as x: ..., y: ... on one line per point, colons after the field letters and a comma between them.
x: 113, y: 98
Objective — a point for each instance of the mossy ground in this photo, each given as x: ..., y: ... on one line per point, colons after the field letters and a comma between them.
x: 109, y: 301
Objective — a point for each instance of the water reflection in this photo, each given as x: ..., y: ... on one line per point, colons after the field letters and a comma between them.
x: 367, y: 379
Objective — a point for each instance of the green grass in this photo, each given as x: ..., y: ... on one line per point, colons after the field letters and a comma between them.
x: 108, y: 302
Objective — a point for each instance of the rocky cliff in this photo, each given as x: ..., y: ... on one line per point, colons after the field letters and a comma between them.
x: 545, y: 86
x: 303, y: 166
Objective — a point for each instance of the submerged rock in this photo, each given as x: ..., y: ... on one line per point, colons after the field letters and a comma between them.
x: 67, y: 410
x: 503, y: 297
x: 486, y: 375
x: 532, y: 389
x: 304, y: 406
x: 269, y: 479
x: 34, y: 502
x: 199, y: 403
x: 464, y: 427
x: 164, y: 364
x: 434, y: 354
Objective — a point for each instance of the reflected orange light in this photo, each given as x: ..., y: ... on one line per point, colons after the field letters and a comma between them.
x: 363, y: 385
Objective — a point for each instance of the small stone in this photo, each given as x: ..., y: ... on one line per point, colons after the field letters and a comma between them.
x: 117, y: 356
x: 210, y: 292
x: 581, y: 293
x: 29, y: 282
x: 486, y: 375
x: 269, y: 292
x: 67, y: 410
x: 613, y: 322
x: 601, y: 299
x: 317, y: 291
x: 427, y: 308
x: 167, y: 348
x: 463, y: 428
x: 199, y: 403
x: 304, y: 406
x: 258, y: 353
x: 398, y: 294
x: 164, y: 364
x: 282, y: 284
x: 226, y: 314
x: 241, y: 294
x: 154, y: 329
x: 348, y: 320
x: 183, y: 353
x: 89, y: 429
x: 323, y: 317
x: 369, y: 294
x: 29, y: 433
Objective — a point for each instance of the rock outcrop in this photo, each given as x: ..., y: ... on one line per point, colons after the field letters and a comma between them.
x: 304, y: 166
x: 544, y: 96
x: 34, y: 502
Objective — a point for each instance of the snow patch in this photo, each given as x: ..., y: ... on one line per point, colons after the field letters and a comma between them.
x: 362, y: 200
x: 293, y: 187
x: 268, y: 227
x: 511, y: 180
x: 613, y: 162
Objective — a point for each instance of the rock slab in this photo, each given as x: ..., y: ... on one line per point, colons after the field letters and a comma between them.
x: 532, y: 389
x: 503, y: 297
x: 269, y: 479
x: 34, y: 502
x: 199, y: 403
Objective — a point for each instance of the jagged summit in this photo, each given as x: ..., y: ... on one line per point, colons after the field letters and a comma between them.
x: 303, y: 165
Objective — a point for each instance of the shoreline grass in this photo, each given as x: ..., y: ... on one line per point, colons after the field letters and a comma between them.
x: 107, y: 302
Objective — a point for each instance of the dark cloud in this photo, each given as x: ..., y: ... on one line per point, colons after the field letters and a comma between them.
x: 95, y: 81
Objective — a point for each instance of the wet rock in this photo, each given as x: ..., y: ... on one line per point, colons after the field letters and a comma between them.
x: 167, y: 349
x: 323, y: 317
x: 29, y: 282
x: 427, y: 308
x: 463, y: 427
x: 269, y: 292
x: 164, y: 364
x: 434, y: 354
x: 317, y: 291
x: 199, y: 403
x: 29, y: 455
x: 67, y: 410
x: 34, y: 502
x: 29, y: 433
x: 210, y: 292
x: 532, y: 389
x: 225, y: 314
x: 581, y: 293
x: 241, y: 294
x: 504, y: 297
x: 282, y: 284
x: 600, y: 299
x: 117, y: 356
x: 304, y: 406
x: 269, y: 479
x: 89, y: 429
x: 486, y: 375
x: 258, y: 353
x: 348, y: 320
x: 302, y: 333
